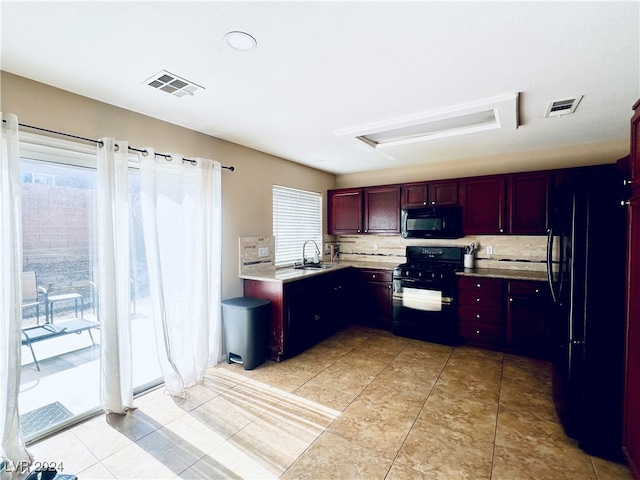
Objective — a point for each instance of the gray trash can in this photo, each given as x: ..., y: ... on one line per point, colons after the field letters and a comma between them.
x: 246, y: 322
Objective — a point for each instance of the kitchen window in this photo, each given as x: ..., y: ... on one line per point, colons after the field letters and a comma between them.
x: 297, y: 217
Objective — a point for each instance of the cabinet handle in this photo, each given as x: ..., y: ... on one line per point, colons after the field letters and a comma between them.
x: 477, y: 299
x: 511, y: 299
x: 477, y: 315
x: 625, y: 203
x: 358, y: 230
x: 424, y: 203
x: 373, y: 276
x: 477, y: 332
x: 502, y: 230
x: 316, y: 317
x: 366, y: 230
x: 433, y: 203
x: 537, y: 290
x: 389, y: 286
x: 478, y: 285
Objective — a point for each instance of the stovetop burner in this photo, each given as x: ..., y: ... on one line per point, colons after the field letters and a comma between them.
x: 434, y: 259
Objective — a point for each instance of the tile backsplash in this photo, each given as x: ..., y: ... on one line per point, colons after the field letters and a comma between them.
x: 256, y: 253
x: 520, y: 252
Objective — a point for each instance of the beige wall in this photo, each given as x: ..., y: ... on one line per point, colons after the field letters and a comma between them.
x: 573, y: 156
x: 246, y: 193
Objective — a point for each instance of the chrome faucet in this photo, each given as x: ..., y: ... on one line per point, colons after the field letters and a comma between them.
x: 304, y: 260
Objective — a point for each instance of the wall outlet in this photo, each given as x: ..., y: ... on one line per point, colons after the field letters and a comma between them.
x: 489, y: 249
x: 375, y: 246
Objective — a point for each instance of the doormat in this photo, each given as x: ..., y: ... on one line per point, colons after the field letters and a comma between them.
x: 43, y: 417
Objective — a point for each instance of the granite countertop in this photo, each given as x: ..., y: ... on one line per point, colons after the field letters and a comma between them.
x: 285, y: 275
x: 506, y: 274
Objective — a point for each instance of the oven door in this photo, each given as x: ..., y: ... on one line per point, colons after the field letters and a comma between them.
x: 425, y: 309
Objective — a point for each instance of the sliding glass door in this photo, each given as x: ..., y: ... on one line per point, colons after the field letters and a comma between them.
x: 60, y: 380
x: 60, y: 372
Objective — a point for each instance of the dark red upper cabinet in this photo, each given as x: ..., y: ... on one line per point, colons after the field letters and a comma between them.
x: 443, y: 193
x: 344, y: 211
x: 483, y: 205
x: 516, y: 204
x: 425, y: 194
x: 415, y: 195
x: 528, y: 203
x: 382, y: 209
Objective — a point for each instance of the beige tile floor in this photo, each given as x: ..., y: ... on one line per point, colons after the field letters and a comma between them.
x: 361, y: 404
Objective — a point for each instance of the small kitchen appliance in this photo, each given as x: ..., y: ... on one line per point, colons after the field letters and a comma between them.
x: 431, y: 222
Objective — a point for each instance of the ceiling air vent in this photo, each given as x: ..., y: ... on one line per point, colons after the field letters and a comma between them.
x: 173, y: 84
x: 562, y: 107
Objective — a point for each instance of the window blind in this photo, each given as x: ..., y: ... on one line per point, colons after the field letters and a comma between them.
x: 297, y: 217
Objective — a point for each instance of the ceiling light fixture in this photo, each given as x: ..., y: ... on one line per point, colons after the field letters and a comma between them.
x: 493, y: 113
x: 240, y: 40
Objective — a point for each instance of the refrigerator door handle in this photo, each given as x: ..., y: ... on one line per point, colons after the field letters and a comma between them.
x: 554, y: 295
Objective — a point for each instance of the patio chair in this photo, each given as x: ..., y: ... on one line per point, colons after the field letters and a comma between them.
x: 34, y: 295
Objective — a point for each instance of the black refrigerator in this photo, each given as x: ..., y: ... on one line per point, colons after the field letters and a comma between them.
x: 586, y: 264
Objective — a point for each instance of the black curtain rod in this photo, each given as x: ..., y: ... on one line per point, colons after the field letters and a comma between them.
x: 98, y: 142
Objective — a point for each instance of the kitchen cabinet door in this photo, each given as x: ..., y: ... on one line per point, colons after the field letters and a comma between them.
x: 376, y: 298
x: 443, y: 193
x: 382, y: 210
x: 635, y: 142
x: 527, y: 311
x: 528, y: 205
x: 344, y: 211
x: 429, y: 194
x: 483, y: 205
x: 631, y: 425
x: 304, y: 317
x: 415, y: 195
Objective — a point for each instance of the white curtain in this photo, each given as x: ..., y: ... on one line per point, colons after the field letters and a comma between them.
x: 181, y: 218
x: 116, y: 379
x: 12, y: 448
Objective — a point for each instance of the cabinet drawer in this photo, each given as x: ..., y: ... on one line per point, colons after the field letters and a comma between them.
x: 479, y: 299
x: 375, y: 275
x: 484, y: 316
x: 480, y: 334
x: 480, y: 284
x: 527, y: 288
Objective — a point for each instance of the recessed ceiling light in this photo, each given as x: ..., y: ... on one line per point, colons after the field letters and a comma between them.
x: 240, y: 40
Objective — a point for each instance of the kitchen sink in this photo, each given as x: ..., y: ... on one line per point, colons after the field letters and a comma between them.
x: 313, y: 266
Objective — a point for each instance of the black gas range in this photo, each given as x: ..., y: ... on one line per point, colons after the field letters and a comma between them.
x: 425, y: 294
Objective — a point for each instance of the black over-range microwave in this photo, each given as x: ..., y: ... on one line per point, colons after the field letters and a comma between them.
x: 432, y: 222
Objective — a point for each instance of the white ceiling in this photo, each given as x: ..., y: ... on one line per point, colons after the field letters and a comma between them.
x: 326, y: 67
